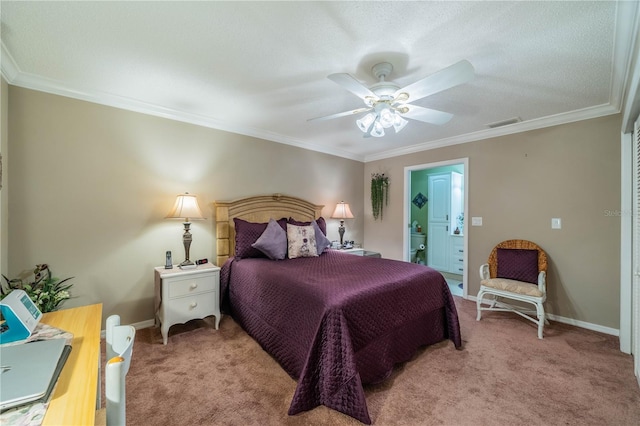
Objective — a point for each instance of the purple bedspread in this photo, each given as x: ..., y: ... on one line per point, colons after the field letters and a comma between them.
x: 337, y: 321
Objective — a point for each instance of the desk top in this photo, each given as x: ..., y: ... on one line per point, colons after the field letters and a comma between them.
x: 74, y: 399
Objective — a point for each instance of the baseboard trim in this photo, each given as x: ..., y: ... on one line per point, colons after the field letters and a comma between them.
x: 587, y: 325
x: 575, y: 322
x: 558, y: 318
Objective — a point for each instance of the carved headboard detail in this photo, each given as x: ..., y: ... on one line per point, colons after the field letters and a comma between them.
x: 257, y: 209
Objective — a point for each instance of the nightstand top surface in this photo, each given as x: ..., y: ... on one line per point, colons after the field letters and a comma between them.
x: 178, y: 271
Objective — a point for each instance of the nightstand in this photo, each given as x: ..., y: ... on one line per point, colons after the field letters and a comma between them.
x: 186, y: 294
x: 369, y: 253
x: 356, y: 251
x: 361, y: 252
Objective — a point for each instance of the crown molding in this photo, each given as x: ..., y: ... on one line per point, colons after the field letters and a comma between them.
x: 12, y: 74
x: 15, y: 77
x: 540, y: 123
x: 8, y: 66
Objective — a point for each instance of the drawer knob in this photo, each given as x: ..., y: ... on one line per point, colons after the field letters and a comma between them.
x: 194, y: 286
x: 193, y: 305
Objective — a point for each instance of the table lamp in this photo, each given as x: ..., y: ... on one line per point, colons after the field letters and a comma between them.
x: 186, y: 207
x: 342, y: 212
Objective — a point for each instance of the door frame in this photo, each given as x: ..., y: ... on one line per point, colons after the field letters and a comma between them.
x: 406, y: 237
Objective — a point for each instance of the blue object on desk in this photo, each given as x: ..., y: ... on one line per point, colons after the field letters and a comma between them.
x: 21, y: 316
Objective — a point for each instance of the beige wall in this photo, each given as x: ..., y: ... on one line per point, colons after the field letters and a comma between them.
x: 91, y: 185
x: 517, y: 183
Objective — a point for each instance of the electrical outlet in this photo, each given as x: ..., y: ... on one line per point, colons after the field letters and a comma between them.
x: 476, y: 221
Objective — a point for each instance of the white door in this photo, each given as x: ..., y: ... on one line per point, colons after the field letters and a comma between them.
x: 439, y: 196
x: 439, y: 210
x: 438, y: 252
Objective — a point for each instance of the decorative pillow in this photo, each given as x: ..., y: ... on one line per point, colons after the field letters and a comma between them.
x: 273, y: 241
x: 302, y: 241
x: 518, y: 264
x: 322, y: 242
x: 320, y: 221
x: 248, y: 233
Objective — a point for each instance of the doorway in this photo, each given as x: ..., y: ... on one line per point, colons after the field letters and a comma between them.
x: 435, y: 202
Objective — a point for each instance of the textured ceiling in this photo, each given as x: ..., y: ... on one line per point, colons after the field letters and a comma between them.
x: 260, y: 68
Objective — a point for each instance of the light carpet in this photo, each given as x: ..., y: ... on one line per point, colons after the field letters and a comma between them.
x: 504, y: 375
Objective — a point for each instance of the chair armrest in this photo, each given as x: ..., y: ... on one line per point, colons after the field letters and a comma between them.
x: 484, y: 271
x: 542, y: 282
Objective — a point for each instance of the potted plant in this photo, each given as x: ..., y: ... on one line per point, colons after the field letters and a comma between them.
x: 46, y: 291
x: 379, y: 194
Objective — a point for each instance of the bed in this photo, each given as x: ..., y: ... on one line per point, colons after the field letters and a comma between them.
x: 333, y: 322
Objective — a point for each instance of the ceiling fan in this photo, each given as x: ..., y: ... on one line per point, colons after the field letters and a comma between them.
x: 387, y: 104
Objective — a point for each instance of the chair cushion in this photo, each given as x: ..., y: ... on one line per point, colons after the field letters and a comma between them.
x: 518, y: 264
x: 513, y: 286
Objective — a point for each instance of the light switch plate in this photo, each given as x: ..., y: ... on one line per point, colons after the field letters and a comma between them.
x: 556, y: 223
x: 476, y: 221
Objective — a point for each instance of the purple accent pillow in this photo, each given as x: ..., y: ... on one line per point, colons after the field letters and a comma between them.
x: 273, y: 241
x: 518, y: 264
x: 322, y: 242
x: 320, y: 221
x: 248, y: 233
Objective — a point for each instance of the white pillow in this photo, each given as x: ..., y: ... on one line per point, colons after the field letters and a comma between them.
x: 301, y: 241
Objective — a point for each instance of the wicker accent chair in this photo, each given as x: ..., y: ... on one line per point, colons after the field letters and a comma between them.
x: 520, y: 276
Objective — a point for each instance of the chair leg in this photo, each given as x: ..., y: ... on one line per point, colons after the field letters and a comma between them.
x: 494, y: 301
x: 478, y: 303
x: 541, y: 319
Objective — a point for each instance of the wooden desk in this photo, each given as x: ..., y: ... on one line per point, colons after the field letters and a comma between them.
x: 74, y: 400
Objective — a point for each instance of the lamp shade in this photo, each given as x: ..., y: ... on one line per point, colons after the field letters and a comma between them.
x: 342, y: 211
x: 186, y: 207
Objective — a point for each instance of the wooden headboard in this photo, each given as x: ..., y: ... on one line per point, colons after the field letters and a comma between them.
x: 257, y: 209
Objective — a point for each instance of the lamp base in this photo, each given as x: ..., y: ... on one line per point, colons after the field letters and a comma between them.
x: 186, y: 240
x: 192, y: 266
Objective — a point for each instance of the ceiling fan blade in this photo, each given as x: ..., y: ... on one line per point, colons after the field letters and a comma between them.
x: 352, y: 85
x: 341, y: 114
x: 426, y: 114
x: 458, y: 73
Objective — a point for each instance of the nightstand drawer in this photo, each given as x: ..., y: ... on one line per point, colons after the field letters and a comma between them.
x: 186, y: 308
x: 179, y: 287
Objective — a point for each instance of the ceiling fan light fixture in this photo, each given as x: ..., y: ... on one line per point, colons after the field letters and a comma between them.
x: 399, y: 123
x: 365, y: 122
x: 402, y: 97
x: 386, y: 117
x: 377, y: 131
x: 387, y: 105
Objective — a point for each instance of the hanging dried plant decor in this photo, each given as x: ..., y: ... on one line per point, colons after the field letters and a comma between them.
x: 379, y: 194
